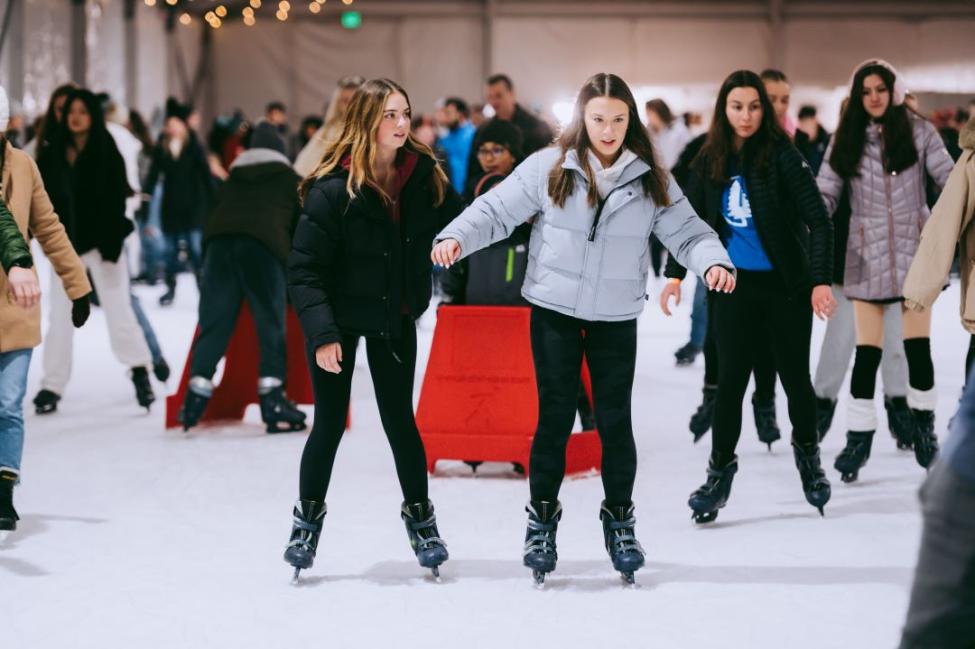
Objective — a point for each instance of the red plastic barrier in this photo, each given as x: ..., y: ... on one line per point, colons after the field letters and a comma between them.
x: 479, y: 401
x: 238, y: 387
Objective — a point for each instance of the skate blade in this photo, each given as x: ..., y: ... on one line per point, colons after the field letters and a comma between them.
x: 702, y: 519
x: 290, y: 428
x: 539, y: 578
x: 435, y: 573
x: 629, y: 579
x: 294, y: 578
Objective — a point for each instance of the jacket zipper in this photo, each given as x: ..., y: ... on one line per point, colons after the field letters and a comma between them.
x: 890, y: 213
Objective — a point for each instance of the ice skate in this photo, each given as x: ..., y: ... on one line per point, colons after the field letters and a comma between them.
x: 541, y: 553
x: 825, y: 409
x: 815, y: 485
x: 765, y: 423
x: 925, y: 441
x: 278, y: 413
x: 421, y: 527
x: 852, y: 458
x: 143, y: 389
x: 305, y: 532
x: 701, y: 420
x: 46, y: 402
x: 900, y: 421
x: 619, y: 534
x: 714, y: 493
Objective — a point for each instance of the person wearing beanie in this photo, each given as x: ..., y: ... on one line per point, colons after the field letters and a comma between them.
x: 179, y: 158
x: 246, y: 242
x: 884, y: 153
x: 25, y: 204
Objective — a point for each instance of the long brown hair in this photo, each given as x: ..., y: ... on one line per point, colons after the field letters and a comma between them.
x: 719, y: 146
x: 358, y: 143
x: 561, y: 182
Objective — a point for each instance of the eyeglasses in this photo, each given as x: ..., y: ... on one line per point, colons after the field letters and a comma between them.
x: 493, y: 151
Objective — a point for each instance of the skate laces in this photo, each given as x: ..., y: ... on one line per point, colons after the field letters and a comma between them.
x: 306, y: 533
x: 623, y: 536
x: 428, y: 525
x: 542, y: 539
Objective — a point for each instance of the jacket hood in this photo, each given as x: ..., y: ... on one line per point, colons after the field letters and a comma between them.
x: 258, y: 165
x: 966, y: 139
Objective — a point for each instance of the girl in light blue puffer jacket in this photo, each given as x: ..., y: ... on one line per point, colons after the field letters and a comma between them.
x: 597, y: 196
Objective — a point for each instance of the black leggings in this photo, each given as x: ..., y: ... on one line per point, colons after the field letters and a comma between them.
x: 393, y: 382
x: 761, y: 309
x: 558, y: 344
x: 763, y: 361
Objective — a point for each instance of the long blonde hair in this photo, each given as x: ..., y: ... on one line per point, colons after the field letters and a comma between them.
x: 358, y: 143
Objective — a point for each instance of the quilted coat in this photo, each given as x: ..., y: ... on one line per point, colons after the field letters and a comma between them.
x: 888, y: 211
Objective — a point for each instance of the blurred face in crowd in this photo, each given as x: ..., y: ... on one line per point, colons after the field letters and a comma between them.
x: 452, y: 118
x: 394, y: 125
x: 502, y: 100
x: 809, y: 126
x: 277, y: 117
x: 778, y: 94
x: 59, y: 107
x: 606, y: 122
x: 344, y: 98
x: 495, y: 158
x: 654, y: 123
x: 175, y: 129
x: 876, y: 96
x: 744, y: 111
x: 79, y: 119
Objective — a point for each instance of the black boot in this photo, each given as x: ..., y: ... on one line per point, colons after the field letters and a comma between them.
x: 46, y: 402
x: 195, y: 404
x: 541, y: 553
x: 765, y: 423
x: 8, y: 515
x: 305, y: 531
x: 421, y: 527
x: 714, y: 493
x: 685, y: 355
x: 143, y: 388
x: 900, y: 421
x: 825, y: 409
x: 856, y: 453
x: 278, y: 413
x: 161, y: 370
x: 169, y: 296
x: 925, y: 441
x: 620, y: 538
x: 814, y: 482
x: 702, y: 418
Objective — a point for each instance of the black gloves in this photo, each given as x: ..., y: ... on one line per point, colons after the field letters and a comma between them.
x: 80, y: 310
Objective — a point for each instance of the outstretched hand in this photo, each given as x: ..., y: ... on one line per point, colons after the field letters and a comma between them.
x: 720, y: 279
x: 445, y: 253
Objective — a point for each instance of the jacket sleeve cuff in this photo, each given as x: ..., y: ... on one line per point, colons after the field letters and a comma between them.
x: 24, y: 261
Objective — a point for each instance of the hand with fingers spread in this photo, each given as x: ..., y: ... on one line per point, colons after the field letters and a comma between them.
x: 24, y: 288
x: 329, y: 357
x: 671, y: 290
x: 445, y: 253
x: 720, y: 279
x: 823, y: 303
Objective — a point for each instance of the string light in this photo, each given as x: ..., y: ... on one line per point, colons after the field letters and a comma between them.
x: 346, y: 2
x: 249, y: 20
x: 248, y: 12
x: 256, y: 4
x: 282, y: 15
x: 150, y: 3
x: 222, y: 11
x: 185, y: 19
x: 314, y: 7
x: 284, y: 6
x: 171, y: 3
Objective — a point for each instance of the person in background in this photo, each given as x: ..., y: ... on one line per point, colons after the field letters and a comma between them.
x: 811, y: 138
x: 49, y: 123
x: 457, y: 140
x: 309, y: 126
x: 670, y: 135
x: 247, y: 239
x: 276, y: 114
x: 152, y: 245
x: 25, y: 213
x: 309, y: 157
x: 780, y: 93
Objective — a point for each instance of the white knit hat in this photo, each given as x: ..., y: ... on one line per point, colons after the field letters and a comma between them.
x: 898, y: 92
x: 4, y: 110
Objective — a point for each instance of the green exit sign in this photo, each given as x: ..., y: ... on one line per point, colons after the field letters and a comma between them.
x: 351, y: 19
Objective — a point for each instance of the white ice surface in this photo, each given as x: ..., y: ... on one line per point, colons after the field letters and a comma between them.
x: 133, y: 536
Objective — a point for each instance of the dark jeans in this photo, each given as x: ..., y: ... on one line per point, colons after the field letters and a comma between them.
x: 760, y: 310
x: 193, y: 239
x: 238, y: 269
x: 393, y: 383
x: 558, y: 343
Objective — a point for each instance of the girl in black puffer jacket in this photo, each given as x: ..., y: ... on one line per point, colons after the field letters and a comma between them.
x: 360, y: 267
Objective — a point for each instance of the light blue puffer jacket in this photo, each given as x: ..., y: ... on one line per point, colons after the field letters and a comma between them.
x: 578, y: 267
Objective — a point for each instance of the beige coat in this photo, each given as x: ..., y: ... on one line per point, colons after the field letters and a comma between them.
x: 951, y: 222
x: 24, y: 193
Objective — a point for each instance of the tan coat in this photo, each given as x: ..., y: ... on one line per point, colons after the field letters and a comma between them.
x: 24, y: 193
x: 952, y: 221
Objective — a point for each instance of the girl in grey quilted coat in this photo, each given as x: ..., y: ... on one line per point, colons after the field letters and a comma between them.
x: 884, y: 153
x: 598, y: 196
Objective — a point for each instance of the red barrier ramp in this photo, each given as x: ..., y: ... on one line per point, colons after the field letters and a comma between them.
x: 238, y: 387
x: 479, y: 402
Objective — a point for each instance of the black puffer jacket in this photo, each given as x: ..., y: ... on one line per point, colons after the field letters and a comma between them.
x: 352, y: 269
x: 789, y: 214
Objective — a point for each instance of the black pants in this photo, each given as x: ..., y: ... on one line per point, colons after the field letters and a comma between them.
x: 237, y: 269
x: 761, y: 309
x: 558, y: 344
x: 393, y: 382
x: 764, y: 360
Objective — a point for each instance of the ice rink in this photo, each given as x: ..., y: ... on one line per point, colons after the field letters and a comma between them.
x: 133, y: 536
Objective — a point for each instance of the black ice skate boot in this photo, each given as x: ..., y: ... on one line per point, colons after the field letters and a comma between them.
x: 541, y: 553
x: 685, y: 355
x: 278, y: 413
x: 900, y: 421
x: 195, y: 404
x: 825, y: 409
x: 714, y: 493
x: 925, y: 441
x: 814, y: 482
x: 305, y: 531
x: 161, y: 370
x: 8, y: 515
x: 856, y: 453
x: 143, y: 388
x: 167, y: 298
x: 765, y: 423
x: 421, y: 527
x: 620, y: 537
x: 46, y: 402
x: 701, y: 419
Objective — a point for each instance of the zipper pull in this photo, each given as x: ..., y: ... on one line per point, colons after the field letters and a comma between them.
x: 592, y: 232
